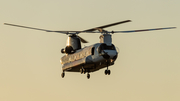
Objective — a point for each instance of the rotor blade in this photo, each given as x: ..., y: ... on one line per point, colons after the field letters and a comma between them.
x: 109, y: 25
x: 27, y: 27
x: 142, y: 30
x: 64, y: 32
x: 82, y: 40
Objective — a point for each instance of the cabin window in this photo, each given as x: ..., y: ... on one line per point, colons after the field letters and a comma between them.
x: 92, y: 51
x: 74, y: 57
x: 81, y: 56
x: 87, y: 53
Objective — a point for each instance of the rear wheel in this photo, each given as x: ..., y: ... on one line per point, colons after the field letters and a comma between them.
x: 88, y: 75
x: 84, y: 71
x: 81, y: 71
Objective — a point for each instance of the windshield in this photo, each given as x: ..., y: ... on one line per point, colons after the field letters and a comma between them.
x: 105, y: 47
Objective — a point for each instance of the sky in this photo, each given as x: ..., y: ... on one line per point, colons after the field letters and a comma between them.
x: 147, y: 67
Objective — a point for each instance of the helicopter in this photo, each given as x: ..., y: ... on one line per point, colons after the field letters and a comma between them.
x: 90, y: 58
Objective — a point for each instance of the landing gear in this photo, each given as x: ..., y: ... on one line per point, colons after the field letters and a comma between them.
x: 107, y: 72
x: 83, y: 71
x: 63, y: 74
x: 88, y: 75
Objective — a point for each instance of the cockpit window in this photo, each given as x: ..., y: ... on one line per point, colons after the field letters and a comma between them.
x: 105, y: 47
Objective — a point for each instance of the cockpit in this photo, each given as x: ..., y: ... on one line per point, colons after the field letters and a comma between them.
x: 106, y: 47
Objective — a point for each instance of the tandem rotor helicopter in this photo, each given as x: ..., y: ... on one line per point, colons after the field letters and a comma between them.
x: 90, y: 58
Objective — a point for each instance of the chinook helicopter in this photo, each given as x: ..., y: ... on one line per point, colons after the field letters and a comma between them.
x: 90, y: 58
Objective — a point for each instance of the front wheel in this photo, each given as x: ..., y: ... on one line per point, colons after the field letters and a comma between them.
x: 63, y: 74
x: 106, y: 72
x: 109, y: 72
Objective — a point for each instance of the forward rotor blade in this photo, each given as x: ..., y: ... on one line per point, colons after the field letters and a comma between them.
x: 82, y: 40
x: 105, y: 26
x: 142, y: 30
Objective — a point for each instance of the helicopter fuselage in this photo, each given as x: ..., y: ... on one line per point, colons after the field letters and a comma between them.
x: 90, y: 58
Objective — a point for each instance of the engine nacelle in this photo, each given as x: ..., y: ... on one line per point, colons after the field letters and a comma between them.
x: 73, y: 44
x: 67, y: 50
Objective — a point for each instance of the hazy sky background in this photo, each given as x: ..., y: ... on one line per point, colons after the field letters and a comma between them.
x: 147, y: 69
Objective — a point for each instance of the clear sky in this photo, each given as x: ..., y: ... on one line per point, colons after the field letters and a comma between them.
x: 147, y: 68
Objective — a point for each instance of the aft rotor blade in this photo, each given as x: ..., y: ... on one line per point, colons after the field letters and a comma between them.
x: 64, y: 32
x: 82, y: 40
x: 142, y: 30
x: 27, y: 27
x: 105, y: 26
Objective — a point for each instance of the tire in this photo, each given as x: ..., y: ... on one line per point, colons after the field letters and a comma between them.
x: 109, y: 72
x: 84, y: 71
x: 88, y: 76
x: 106, y: 72
x: 62, y: 75
x: 81, y: 71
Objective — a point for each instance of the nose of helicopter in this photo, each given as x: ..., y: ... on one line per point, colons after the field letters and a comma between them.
x: 109, y: 54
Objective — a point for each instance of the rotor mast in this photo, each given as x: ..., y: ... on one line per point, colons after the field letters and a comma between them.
x: 106, y: 38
